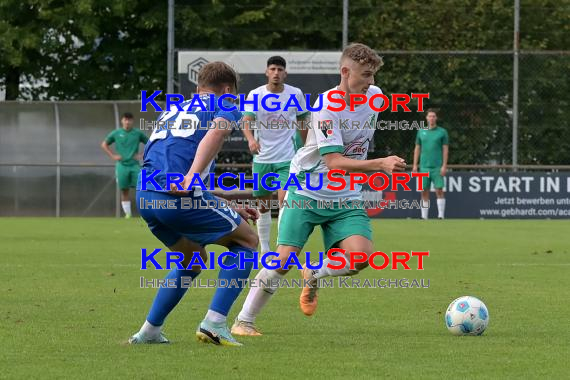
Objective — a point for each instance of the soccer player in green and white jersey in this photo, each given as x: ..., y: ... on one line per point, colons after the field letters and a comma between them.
x: 432, y: 149
x: 328, y: 148
x: 275, y: 138
x: 126, y: 140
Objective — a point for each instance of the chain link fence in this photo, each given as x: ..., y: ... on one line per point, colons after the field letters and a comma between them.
x: 51, y: 163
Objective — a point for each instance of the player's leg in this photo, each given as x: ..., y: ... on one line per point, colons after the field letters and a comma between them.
x: 123, y: 180
x: 295, y: 227
x: 167, y: 297
x: 425, y: 193
x: 262, y: 290
x: 240, y: 239
x: 283, y: 170
x: 213, y: 329
x: 200, y: 226
x: 425, y: 204
x: 264, y: 222
x: 439, y: 193
x: 347, y: 229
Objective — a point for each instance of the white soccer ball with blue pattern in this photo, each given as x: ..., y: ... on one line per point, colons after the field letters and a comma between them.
x: 467, y: 316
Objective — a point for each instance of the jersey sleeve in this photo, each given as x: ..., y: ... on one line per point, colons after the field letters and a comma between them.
x: 418, y: 140
x: 327, y: 132
x: 142, y: 137
x: 302, y: 113
x: 248, y: 108
x: 445, y: 139
x: 110, y: 137
x: 231, y: 116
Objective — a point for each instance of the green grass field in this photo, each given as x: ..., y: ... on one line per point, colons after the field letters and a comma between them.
x: 70, y: 298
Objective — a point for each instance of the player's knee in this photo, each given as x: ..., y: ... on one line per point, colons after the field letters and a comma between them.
x: 254, y: 240
x: 361, y: 266
x: 250, y: 240
x: 188, y: 258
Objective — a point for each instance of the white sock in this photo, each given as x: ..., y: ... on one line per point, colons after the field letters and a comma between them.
x: 440, y: 207
x: 324, y: 271
x: 259, y: 295
x: 264, y: 231
x: 214, y: 316
x: 425, y: 210
x: 126, y: 207
x: 149, y: 330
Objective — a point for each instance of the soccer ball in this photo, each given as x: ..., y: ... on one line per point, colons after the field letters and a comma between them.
x: 467, y: 316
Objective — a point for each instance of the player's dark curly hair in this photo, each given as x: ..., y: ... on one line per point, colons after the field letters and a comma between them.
x: 276, y: 60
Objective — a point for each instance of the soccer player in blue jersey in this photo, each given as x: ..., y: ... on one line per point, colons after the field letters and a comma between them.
x: 183, y: 149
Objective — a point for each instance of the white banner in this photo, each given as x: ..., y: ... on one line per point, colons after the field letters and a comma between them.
x: 255, y: 62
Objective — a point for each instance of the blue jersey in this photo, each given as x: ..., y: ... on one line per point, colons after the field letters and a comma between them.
x: 172, y: 149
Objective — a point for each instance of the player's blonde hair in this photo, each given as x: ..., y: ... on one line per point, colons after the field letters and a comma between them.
x: 363, y: 55
x: 217, y: 74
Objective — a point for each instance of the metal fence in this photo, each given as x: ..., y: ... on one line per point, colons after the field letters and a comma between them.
x: 51, y: 163
x: 473, y: 93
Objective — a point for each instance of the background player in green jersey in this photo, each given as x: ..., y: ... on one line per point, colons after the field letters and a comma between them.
x: 126, y: 140
x: 432, y: 149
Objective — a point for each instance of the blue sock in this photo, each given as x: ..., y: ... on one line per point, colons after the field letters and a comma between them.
x: 225, y: 297
x: 167, y: 298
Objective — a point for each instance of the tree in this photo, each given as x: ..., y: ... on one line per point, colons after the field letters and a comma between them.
x: 88, y: 49
x: 83, y: 49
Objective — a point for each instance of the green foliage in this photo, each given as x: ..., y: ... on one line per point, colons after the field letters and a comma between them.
x: 105, y: 49
x: 83, y: 49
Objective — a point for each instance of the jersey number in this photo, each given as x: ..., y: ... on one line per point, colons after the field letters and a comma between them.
x: 178, y: 129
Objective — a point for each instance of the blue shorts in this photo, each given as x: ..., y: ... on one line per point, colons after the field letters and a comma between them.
x: 201, y: 225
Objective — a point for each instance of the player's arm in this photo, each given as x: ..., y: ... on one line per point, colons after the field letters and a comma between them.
x: 445, y: 148
x: 143, y: 139
x: 331, y: 147
x: 247, y: 120
x: 247, y: 213
x: 210, y: 145
x: 303, y: 117
x: 105, y: 146
x: 445, y: 156
x: 388, y: 164
x: 303, y: 125
x: 416, y: 158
